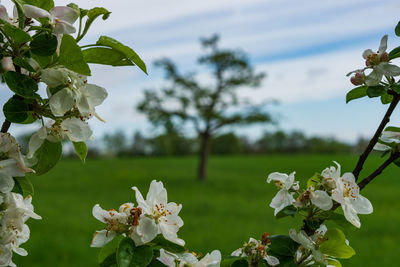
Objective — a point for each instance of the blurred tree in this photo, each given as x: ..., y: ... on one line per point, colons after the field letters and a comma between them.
x: 171, y: 143
x: 209, y: 108
x: 115, y: 143
x: 139, y: 145
x: 227, y: 143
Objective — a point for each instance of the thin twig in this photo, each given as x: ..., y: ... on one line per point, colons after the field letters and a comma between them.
x: 379, y: 170
x: 374, y: 140
x: 6, y: 125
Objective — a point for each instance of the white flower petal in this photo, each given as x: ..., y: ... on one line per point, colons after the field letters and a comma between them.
x: 145, y: 232
x: 65, y: 13
x: 388, y: 69
x: 374, y: 78
x: 101, y: 238
x: 76, y: 130
x: 95, y: 94
x: 367, y: 53
x: 281, y: 200
x: 350, y: 213
x: 35, y: 12
x: 362, y: 205
x: 61, y: 102
x: 321, y: 199
x: 54, y: 77
x: 63, y: 27
x: 383, y: 45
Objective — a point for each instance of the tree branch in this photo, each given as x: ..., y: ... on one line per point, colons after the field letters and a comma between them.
x: 379, y: 170
x: 374, y: 140
x: 6, y: 125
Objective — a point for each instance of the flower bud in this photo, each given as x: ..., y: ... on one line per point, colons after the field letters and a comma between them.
x: 329, y: 184
x: 385, y: 57
x: 358, y: 78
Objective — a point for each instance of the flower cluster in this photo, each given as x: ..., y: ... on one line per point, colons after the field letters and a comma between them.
x: 323, y: 190
x: 169, y: 259
x: 378, y: 63
x: 257, y: 251
x: 15, y: 210
x: 153, y: 216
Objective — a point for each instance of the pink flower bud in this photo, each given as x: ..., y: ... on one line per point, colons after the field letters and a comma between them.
x: 385, y: 57
x: 358, y: 78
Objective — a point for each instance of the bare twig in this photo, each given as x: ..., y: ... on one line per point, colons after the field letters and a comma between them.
x: 379, y: 170
x: 6, y: 125
x: 374, y: 140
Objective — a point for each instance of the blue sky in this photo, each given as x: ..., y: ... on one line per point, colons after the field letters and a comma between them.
x: 305, y: 47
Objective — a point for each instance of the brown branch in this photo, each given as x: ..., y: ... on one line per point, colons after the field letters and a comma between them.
x: 379, y: 170
x: 6, y: 125
x: 374, y: 140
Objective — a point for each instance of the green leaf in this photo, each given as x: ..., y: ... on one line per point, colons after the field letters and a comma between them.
x: 125, y: 252
x: 386, y: 98
x: 47, y: 156
x: 282, y: 245
x: 18, y: 35
x: 81, y: 150
x: 109, y: 261
x: 375, y: 91
x: 127, y: 51
x: 287, y: 211
x: 161, y: 242
x: 240, y: 263
x: 229, y: 260
x: 335, y: 245
x: 44, y: 45
x: 355, y: 93
x: 92, y: 16
x: 25, y: 185
x: 16, y: 110
x: 392, y: 129
x: 335, y: 263
x: 105, y: 56
x: 21, y: 84
x: 42, y: 61
x: 109, y: 249
x: 397, y: 29
x: 314, y: 180
x: 142, y: 256
x: 395, y: 53
x: 23, y: 64
x: 71, y: 56
x: 45, y: 4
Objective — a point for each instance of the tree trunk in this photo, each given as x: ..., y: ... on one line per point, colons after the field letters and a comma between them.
x: 205, y: 139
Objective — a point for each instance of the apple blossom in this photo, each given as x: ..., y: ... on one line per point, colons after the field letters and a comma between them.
x: 12, y: 163
x: 310, y: 243
x: 61, y: 17
x: 284, y: 197
x: 378, y: 62
x: 387, y: 137
x: 347, y: 193
x: 158, y: 216
x: 254, y: 248
x: 169, y: 259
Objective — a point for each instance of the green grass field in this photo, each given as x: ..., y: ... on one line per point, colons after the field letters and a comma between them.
x: 221, y: 213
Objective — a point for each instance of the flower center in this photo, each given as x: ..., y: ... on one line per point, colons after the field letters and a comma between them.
x: 351, y: 190
x: 160, y: 211
x: 279, y: 184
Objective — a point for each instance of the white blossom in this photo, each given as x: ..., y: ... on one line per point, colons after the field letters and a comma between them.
x: 346, y: 192
x: 61, y: 17
x: 255, y: 247
x: 158, y: 217
x: 387, y: 137
x: 310, y: 243
x: 284, y: 197
x: 169, y: 259
x: 12, y: 163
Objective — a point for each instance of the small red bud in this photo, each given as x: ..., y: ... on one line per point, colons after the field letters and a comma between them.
x: 358, y: 78
x: 385, y: 57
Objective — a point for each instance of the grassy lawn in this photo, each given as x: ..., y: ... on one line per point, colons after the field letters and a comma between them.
x: 221, y: 213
